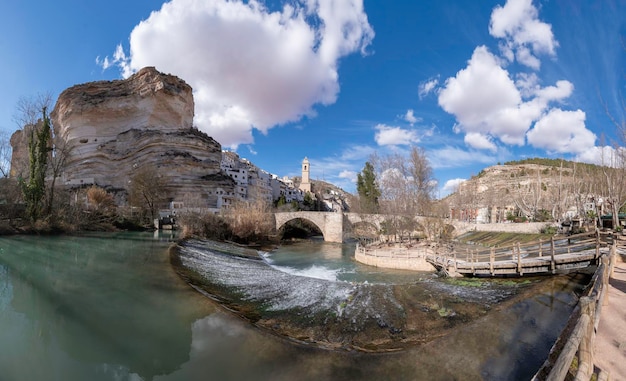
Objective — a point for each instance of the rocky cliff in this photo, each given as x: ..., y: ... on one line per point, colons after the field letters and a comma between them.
x: 111, y: 129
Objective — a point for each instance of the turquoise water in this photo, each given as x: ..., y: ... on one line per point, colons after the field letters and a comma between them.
x: 335, y: 262
x: 109, y: 307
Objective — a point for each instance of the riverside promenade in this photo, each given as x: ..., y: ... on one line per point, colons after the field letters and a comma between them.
x: 610, y: 342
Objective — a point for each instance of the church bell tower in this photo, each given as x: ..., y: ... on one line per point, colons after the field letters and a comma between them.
x: 305, y: 184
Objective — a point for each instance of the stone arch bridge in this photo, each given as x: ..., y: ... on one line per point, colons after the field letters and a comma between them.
x: 333, y: 225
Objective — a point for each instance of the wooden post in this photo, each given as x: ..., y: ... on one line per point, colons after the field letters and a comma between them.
x: 472, y: 260
x: 540, y: 247
x: 492, y: 257
x: 585, y: 350
x: 597, y: 244
x: 455, y: 261
x: 552, y: 264
x: 519, y: 260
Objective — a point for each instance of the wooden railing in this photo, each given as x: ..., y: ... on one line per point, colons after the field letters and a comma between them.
x: 538, y: 256
x: 577, y: 338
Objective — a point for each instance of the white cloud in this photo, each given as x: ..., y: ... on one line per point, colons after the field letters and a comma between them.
x: 426, y: 87
x: 388, y: 135
x: 527, y: 84
x: 249, y: 67
x: 525, y: 35
x: 452, y: 185
x: 251, y: 150
x: 349, y: 175
x: 357, y: 152
x: 563, y: 132
x: 480, y: 141
x: 604, y: 155
x: 410, y: 117
x: 488, y: 104
x: 454, y: 157
x: 481, y: 96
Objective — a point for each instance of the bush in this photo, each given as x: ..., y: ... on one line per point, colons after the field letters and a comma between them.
x: 549, y: 229
x: 250, y: 221
x: 205, y: 225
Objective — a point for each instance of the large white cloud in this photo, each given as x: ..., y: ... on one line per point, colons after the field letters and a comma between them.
x: 485, y: 100
x: 563, y: 132
x: 488, y: 104
x: 491, y: 90
x: 525, y: 36
x: 250, y: 67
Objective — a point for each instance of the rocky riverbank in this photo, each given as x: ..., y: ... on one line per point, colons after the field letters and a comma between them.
x: 342, y: 315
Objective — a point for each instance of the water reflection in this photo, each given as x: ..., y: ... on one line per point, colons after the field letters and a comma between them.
x: 93, y: 301
x: 109, y: 307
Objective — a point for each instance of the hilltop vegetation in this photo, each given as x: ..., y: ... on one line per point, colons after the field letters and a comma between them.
x: 554, y: 163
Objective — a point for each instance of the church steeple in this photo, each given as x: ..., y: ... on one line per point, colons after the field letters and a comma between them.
x: 305, y: 184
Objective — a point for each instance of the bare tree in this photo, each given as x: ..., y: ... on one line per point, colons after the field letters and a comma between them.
x: 614, y: 171
x: 530, y: 195
x: 28, y: 109
x: 59, y: 153
x: 147, y: 190
x: 406, y: 187
x: 5, y: 154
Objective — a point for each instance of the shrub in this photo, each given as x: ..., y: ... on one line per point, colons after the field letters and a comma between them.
x: 549, y: 229
x: 205, y: 225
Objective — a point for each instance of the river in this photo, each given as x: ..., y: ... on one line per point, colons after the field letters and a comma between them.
x: 110, y: 307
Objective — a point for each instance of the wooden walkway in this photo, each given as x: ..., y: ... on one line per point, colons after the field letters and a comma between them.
x: 541, y: 257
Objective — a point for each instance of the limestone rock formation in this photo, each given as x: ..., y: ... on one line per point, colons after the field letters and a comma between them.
x: 113, y: 128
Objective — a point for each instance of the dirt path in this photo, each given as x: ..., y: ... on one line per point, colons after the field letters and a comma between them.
x: 610, y: 342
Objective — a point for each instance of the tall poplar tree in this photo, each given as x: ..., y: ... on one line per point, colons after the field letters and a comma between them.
x: 368, y: 190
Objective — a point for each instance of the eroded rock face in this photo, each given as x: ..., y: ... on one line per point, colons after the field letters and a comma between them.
x: 112, y: 128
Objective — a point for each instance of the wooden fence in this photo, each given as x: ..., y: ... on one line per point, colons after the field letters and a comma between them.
x: 543, y: 256
x: 577, y: 338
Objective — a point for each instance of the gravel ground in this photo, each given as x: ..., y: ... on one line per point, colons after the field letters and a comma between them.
x: 610, y: 342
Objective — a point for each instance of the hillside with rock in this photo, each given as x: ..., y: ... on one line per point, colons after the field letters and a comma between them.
x: 534, y: 189
x: 110, y: 130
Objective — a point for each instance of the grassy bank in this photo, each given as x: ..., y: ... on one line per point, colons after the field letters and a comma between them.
x: 490, y: 239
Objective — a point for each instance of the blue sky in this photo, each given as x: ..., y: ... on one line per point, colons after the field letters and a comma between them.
x: 474, y: 83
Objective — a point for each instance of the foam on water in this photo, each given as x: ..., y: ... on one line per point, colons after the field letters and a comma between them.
x: 262, y: 282
x: 317, y: 272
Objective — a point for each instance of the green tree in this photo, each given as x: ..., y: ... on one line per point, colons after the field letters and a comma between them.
x: 38, y: 149
x: 308, y: 202
x: 368, y: 190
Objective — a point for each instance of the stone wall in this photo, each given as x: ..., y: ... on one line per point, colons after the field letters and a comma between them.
x: 394, y: 258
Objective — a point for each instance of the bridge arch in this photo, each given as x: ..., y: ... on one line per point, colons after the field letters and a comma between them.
x: 305, y: 221
x: 330, y: 224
